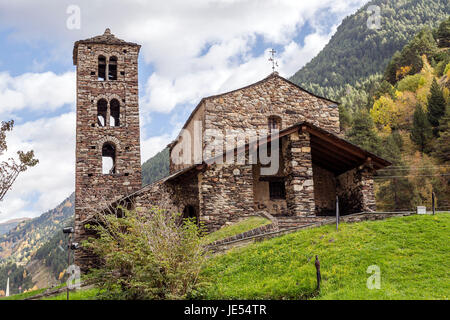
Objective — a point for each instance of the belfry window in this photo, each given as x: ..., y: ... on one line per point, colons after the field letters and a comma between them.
x: 102, y: 109
x: 112, y: 68
x: 114, y: 120
x: 108, y: 158
x: 101, y: 68
x: 274, y: 123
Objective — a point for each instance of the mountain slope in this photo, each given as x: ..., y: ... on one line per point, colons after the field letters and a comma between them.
x: 20, y: 243
x: 356, y: 52
x: 11, y: 224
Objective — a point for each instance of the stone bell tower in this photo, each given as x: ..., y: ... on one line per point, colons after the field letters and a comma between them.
x: 108, y: 159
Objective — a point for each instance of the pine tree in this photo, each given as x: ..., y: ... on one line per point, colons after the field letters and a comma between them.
x: 421, y: 132
x: 436, y: 106
x: 443, y: 142
x: 363, y: 133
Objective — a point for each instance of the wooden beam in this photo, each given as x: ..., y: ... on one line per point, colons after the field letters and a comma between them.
x: 341, y: 144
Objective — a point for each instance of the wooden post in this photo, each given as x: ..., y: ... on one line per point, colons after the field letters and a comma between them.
x: 319, y: 277
x: 68, y: 260
x: 433, y: 199
x: 337, y: 213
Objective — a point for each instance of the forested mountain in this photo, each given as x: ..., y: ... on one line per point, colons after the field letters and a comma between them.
x: 356, y: 52
x: 11, y: 224
x: 20, y: 243
x: 156, y: 167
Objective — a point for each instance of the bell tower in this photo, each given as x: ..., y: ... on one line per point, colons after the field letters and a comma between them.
x: 108, y: 159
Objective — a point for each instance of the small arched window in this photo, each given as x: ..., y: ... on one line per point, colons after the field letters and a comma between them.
x: 114, y: 120
x: 112, y: 68
x: 108, y: 158
x: 102, y: 107
x: 101, y: 68
x: 274, y: 123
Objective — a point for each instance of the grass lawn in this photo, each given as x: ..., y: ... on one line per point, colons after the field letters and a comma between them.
x: 22, y: 296
x: 239, y: 227
x: 413, y: 254
x: 83, y: 294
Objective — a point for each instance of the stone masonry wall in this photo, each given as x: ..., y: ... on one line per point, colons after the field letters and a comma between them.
x: 172, y: 196
x: 299, y: 175
x: 355, y: 191
x: 225, y: 194
x: 324, y: 191
x: 250, y: 108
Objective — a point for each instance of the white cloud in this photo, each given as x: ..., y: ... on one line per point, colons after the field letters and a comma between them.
x: 175, y: 34
x: 36, y: 91
x: 53, y: 141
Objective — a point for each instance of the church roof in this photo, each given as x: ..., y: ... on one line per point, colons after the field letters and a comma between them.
x: 106, y: 38
x: 273, y: 74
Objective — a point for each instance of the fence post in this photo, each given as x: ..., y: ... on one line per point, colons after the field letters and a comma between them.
x: 337, y: 213
x: 319, y: 277
x: 433, y: 199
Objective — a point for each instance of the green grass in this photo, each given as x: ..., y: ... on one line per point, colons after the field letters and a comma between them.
x: 234, y: 229
x: 82, y: 294
x: 22, y: 296
x: 413, y: 254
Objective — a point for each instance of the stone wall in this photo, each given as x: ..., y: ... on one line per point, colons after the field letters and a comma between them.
x: 299, y: 174
x: 225, y: 194
x: 172, y: 196
x: 355, y: 191
x: 324, y: 191
x: 250, y: 108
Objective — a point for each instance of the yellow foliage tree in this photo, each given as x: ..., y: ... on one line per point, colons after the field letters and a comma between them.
x: 403, y: 71
x: 385, y: 114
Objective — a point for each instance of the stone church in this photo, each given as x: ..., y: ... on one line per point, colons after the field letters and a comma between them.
x: 315, y: 167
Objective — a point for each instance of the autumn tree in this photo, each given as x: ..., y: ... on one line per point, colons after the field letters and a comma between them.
x: 11, y: 168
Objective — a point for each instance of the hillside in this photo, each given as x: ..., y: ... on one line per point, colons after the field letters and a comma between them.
x: 356, y: 52
x: 20, y: 243
x: 413, y: 254
x: 10, y: 224
x: 156, y: 167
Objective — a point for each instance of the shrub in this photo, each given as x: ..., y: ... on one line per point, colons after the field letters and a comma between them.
x: 146, y: 255
x: 411, y: 83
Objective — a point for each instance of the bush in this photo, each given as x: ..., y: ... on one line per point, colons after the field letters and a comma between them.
x: 146, y: 255
x: 411, y: 83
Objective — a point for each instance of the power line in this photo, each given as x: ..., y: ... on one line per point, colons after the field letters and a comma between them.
x: 412, y: 175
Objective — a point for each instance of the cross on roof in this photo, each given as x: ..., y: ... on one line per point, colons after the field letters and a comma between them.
x: 272, y: 59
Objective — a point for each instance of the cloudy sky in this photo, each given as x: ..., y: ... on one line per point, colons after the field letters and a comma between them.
x: 190, y: 49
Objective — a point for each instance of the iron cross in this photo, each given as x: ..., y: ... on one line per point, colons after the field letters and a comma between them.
x: 272, y: 59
